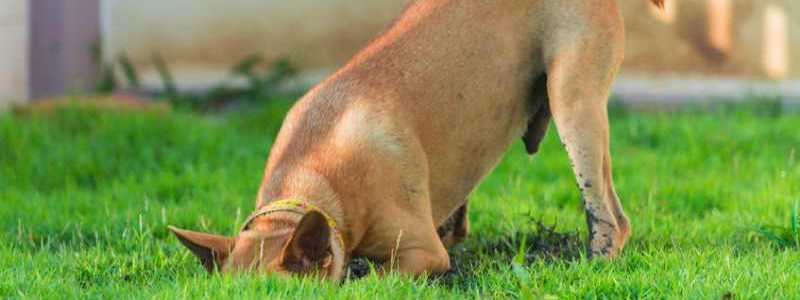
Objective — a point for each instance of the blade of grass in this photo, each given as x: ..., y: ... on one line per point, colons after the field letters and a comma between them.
x: 795, y: 232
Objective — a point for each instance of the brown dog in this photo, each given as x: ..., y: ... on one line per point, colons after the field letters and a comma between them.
x: 375, y: 158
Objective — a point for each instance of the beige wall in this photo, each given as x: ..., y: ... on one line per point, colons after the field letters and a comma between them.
x: 202, y: 38
x: 747, y: 34
x: 13, y: 51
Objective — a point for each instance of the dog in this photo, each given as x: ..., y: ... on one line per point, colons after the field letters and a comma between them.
x: 378, y: 156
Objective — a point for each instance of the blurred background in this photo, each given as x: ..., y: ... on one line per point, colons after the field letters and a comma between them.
x: 697, y: 50
x: 704, y: 143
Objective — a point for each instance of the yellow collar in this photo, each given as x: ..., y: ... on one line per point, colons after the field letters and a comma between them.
x: 299, y: 207
x: 291, y: 205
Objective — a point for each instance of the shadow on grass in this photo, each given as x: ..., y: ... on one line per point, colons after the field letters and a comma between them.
x: 481, y: 254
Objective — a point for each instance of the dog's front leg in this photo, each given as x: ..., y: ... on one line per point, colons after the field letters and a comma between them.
x: 579, y: 81
x: 418, y: 253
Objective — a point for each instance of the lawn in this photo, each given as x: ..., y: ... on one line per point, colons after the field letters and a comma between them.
x: 86, y: 195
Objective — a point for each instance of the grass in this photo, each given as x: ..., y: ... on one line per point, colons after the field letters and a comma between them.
x: 85, y: 197
x: 788, y: 236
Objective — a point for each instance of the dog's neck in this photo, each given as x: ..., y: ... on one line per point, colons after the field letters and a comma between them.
x: 303, y: 185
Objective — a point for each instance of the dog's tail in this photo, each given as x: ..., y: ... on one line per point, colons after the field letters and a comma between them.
x: 659, y: 3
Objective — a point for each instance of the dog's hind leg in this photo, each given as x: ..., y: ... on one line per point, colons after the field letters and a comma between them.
x: 580, y: 73
x: 456, y: 228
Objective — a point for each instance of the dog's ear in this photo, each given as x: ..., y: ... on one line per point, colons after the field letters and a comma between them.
x: 307, y: 249
x: 212, y: 250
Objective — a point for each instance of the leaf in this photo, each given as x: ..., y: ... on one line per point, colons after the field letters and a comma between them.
x: 129, y: 70
x: 246, y: 66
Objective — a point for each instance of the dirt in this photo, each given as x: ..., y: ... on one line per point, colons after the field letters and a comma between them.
x: 542, y: 242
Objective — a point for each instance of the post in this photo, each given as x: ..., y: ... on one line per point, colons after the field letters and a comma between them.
x: 776, y: 42
x: 62, y: 36
x: 720, y: 17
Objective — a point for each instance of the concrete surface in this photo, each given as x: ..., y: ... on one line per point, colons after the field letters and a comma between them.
x: 674, y: 91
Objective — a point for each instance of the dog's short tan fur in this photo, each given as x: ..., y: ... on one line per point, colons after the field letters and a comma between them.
x: 392, y: 144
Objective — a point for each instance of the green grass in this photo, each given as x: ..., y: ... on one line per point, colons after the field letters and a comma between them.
x: 85, y: 197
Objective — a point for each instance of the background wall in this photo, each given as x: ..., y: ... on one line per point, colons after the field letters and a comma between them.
x: 45, y: 45
x: 202, y: 38
x: 13, y: 51
x: 729, y: 38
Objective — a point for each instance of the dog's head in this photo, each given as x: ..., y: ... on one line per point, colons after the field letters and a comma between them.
x: 273, y: 246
